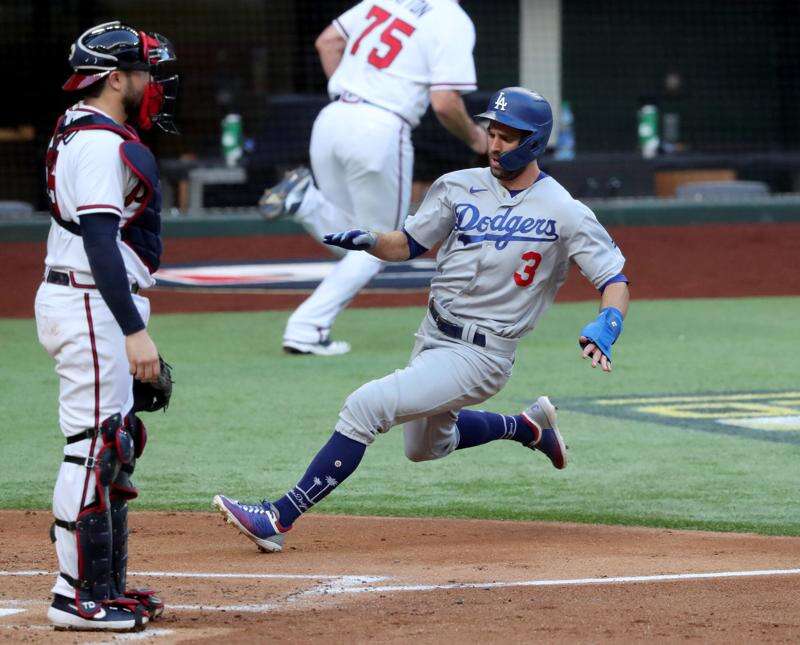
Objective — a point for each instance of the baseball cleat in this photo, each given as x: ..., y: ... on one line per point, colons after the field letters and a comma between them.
x: 64, y: 615
x: 258, y: 522
x: 284, y: 197
x: 541, y: 417
x: 327, y: 347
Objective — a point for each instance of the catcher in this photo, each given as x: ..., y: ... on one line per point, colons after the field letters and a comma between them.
x: 103, y: 246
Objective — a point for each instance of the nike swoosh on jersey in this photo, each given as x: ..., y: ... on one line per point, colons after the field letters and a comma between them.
x: 474, y: 190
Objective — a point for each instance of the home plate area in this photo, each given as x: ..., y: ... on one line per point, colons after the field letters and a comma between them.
x: 377, y: 579
x: 287, y: 275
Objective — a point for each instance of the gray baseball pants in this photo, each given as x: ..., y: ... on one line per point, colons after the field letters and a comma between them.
x: 443, y: 375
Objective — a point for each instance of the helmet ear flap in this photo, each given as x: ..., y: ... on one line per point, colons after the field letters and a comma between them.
x: 529, y: 149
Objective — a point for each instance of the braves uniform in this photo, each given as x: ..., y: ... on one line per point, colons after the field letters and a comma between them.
x: 94, y: 165
x: 397, y: 51
x: 501, y: 262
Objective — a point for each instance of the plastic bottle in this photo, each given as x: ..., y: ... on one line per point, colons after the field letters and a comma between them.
x: 565, y: 146
x: 648, y: 131
x: 232, y: 139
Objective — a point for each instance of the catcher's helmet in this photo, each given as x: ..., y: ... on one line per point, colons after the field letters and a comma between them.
x: 112, y: 45
x: 524, y: 110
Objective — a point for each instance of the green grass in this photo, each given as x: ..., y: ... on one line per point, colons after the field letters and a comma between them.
x: 246, y: 419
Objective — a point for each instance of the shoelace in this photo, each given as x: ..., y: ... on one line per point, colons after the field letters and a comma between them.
x: 253, y: 508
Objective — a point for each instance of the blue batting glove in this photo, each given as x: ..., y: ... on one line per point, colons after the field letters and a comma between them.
x: 604, y: 330
x: 353, y: 240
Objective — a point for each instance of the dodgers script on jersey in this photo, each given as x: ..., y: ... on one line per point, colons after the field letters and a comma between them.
x: 88, y: 176
x: 503, y: 258
x: 399, y: 50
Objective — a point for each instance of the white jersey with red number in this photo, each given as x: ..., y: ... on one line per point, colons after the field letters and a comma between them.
x: 88, y: 176
x: 399, y: 50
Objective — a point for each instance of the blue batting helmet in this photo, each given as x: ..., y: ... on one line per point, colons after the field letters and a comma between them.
x: 524, y: 110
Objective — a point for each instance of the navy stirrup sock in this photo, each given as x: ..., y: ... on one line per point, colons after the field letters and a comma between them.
x: 476, y: 428
x: 334, y: 463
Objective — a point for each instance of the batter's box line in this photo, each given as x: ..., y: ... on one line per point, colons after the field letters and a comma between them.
x: 346, y: 580
x: 357, y: 588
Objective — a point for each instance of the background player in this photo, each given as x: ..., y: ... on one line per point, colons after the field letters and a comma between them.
x: 508, y: 234
x: 386, y: 61
x: 102, y: 247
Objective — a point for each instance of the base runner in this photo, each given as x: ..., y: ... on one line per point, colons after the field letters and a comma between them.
x: 508, y: 234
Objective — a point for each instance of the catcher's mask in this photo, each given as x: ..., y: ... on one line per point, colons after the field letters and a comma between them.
x: 112, y: 45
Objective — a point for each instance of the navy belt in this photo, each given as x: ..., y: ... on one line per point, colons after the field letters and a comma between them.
x: 65, y: 280
x: 451, y: 329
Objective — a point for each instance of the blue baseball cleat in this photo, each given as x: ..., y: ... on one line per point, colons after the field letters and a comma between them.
x: 258, y: 522
x: 541, y: 417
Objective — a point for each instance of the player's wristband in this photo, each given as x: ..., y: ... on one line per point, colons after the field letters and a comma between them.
x: 415, y: 249
x: 604, y: 330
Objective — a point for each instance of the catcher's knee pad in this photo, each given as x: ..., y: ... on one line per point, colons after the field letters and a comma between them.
x: 138, y: 433
x: 367, y: 412
x: 122, y: 486
x: 117, y: 450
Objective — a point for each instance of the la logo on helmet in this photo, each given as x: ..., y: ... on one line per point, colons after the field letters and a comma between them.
x: 501, y: 103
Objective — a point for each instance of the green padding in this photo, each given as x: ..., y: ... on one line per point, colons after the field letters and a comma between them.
x: 622, y: 212
x: 673, y: 212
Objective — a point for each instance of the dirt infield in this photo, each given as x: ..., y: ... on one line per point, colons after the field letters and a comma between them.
x: 663, y: 262
x: 357, y: 579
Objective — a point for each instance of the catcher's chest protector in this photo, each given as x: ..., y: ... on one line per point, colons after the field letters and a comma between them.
x: 142, y: 232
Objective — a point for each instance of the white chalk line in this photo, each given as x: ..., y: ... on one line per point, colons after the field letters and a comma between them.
x: 573, y: 581
x: 150, y: 632
x: 244, y: 576
x: 351, y: 586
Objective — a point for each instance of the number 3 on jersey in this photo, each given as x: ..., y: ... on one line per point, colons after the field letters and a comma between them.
x: 531, y: 260
x: 378, y: 16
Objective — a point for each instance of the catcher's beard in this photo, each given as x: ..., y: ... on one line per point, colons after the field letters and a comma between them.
x: 132, y: 101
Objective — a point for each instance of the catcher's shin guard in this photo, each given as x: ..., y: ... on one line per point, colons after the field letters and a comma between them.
x: 93, y: 526
x: 145, y: 598
x: 122, y: 490
x: 119, y: 531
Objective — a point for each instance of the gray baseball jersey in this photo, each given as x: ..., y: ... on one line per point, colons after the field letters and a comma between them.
x: 501, y: 262
x: 504, y: 257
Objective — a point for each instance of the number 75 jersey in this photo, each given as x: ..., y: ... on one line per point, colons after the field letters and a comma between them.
x: 399, y: 50
x: 502, y: 257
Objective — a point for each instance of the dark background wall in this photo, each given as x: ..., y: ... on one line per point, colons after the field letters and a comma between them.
x: 738, y: 62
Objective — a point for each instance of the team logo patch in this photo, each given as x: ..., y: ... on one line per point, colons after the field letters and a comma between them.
x: 501, y: 103
x: 502, y: 227
x: 770, y: 416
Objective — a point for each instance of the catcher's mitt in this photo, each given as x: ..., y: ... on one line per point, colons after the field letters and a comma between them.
x: 149, y: 397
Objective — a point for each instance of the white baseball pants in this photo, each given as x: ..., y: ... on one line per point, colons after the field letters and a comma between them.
x: 79, y: 331
x: 362, y: 160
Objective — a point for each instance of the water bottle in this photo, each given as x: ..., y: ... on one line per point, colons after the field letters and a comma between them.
x: 232, y: 139
x: 565, y: 146
x: 648, y: 131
